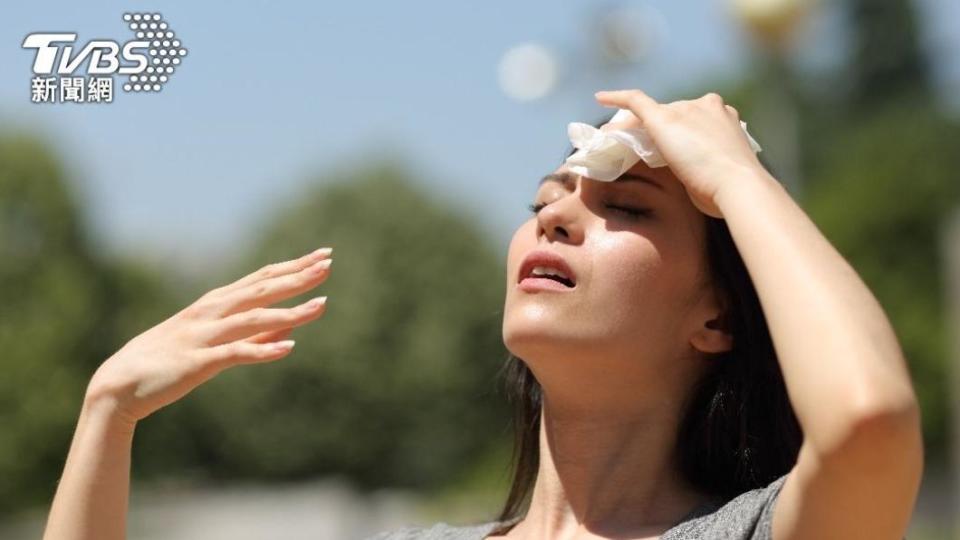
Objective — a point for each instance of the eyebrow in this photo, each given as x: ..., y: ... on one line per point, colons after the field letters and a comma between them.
x: 568, y: 178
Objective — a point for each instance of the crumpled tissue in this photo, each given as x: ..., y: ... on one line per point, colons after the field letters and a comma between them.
x: 605, y: 155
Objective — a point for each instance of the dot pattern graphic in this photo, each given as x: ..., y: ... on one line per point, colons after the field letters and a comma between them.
x: 164, y: 53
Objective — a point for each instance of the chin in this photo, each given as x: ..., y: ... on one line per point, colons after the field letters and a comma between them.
x: 528, y: 337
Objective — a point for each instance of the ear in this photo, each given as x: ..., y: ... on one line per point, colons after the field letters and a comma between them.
x: 713, y: 333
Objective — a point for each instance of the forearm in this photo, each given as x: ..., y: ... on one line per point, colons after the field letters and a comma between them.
x: 840, y: 357
x: 92, y: 496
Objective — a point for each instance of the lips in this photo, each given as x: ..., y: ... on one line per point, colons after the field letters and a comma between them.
x: 549, y: 259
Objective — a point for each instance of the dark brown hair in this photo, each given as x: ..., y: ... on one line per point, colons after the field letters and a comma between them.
x: 739, y: 431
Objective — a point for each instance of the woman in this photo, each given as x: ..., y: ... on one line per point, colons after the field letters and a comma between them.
x: 650, y: 406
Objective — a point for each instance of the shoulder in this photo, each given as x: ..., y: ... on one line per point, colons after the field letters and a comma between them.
x: 438, y: 531
x: 747, y: 516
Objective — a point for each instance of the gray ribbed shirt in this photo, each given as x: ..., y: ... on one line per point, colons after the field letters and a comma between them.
x: 747, y: 516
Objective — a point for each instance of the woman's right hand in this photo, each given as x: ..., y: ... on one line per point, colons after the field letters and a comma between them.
x: 227, y: 326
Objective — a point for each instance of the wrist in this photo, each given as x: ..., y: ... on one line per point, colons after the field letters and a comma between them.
x: 104, y: 410
x: 747, y: 184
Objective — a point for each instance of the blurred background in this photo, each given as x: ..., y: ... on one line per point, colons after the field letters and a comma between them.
x: 410, y: 136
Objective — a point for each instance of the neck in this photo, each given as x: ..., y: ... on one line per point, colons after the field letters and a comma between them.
x: 608, y: 472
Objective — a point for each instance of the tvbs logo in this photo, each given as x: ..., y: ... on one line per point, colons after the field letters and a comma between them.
x: 147, y: 61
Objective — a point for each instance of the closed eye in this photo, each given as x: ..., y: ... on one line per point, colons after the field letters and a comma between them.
x: 633, y: 213
x: 630, y: 212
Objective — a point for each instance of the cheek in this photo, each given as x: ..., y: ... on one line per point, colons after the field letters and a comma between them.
x: 630, y: 277
x: 626, y: 261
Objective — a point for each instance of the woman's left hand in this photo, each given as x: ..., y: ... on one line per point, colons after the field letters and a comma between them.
x: 701, y: 140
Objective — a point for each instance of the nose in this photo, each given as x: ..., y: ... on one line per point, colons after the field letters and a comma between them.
x: 562, y: 218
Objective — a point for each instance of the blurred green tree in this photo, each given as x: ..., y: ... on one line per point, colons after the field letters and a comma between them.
x: 64, y: 311
x: 881, y: 196
x: 46, y: 321
x: 879, y: 160
x: 395, y: 384
x: 888, y: 58
x: 883, y: 181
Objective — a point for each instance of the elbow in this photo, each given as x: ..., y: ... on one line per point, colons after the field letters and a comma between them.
x: 879, y: 434
x: 893, y: 412
x: 894, y: 422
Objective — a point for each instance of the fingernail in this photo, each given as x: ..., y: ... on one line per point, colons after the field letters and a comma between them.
x: 284, y: 345
x: 317, y: 302
x: 322, y: 252
x: 321, y: 266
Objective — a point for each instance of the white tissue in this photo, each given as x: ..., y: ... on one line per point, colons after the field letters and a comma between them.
x: 605, y: 155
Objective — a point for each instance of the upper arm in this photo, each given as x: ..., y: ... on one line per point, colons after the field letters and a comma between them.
x: 866, y: 489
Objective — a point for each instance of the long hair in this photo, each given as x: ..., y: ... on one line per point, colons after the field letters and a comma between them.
x: 739, y: 430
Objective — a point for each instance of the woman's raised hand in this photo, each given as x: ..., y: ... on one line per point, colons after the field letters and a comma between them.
x: 701, y: 140
x: 227, y: 326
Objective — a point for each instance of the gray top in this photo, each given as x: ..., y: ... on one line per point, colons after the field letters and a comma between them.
x: 747, y: 516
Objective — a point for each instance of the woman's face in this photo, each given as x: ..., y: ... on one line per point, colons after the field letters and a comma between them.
x: 639, y: 302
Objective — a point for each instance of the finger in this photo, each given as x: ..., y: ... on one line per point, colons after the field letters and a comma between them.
x: 209, y: 306
x: 713, y: 98
x: 247, y: 323
x: 733, y: 112
x: 272, y: 290
x: 244, y: 352
x: 272, y: 335
x: 635, y: 100
x: 279, y: 269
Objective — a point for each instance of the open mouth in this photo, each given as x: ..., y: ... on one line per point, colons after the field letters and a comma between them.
x: 550, y: 274
x: 565, y: 281
x: 545, y: 269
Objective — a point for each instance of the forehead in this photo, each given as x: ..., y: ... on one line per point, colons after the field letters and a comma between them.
x: 638, y: 175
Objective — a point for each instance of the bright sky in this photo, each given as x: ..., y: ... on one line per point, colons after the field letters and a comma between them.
x: 271, y: 94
